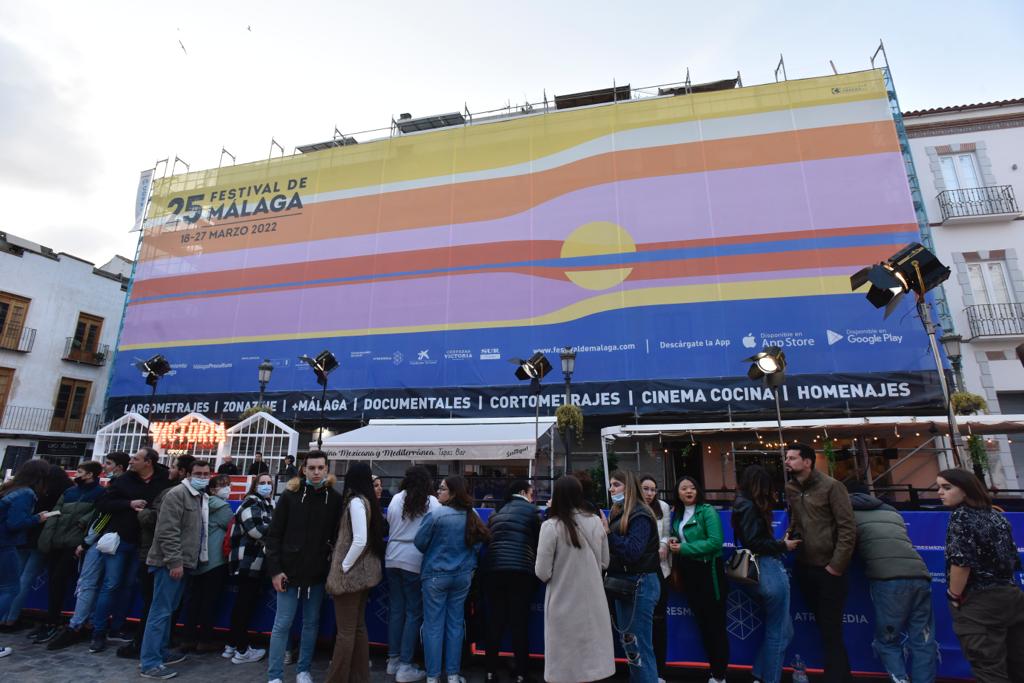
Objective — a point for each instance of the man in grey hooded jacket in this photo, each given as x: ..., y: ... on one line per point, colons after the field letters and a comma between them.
x: 901, y: 588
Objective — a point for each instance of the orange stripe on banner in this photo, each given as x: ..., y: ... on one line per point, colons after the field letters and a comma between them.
x: 451, y: 257
x: 490, y: 199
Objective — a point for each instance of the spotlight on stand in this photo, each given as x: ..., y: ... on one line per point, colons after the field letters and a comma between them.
x: 912, y: 269
x: 533, y: 369
x: 154, y: 368
x: 769, y: 364
x: 324, y: 364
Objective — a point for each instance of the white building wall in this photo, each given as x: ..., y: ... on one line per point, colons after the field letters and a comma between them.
x: 60, y: 287
x: 996, y: 135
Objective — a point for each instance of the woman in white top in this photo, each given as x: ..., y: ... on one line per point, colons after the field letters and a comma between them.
x: 355, y: 569
x: 402, y: 567
x: 571, y: 556
x: 663, y: 514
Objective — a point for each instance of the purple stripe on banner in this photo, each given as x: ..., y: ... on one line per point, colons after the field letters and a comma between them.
x: 830, y: 193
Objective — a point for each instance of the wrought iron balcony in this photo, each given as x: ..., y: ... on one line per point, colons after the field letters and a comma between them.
x: 19, y: 339
x: 978, y: 203
x: 76, y: 352
x: 996, y: 320
x: 23, y: 419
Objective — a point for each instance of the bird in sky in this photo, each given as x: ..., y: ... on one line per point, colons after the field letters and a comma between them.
x: 183, y: 48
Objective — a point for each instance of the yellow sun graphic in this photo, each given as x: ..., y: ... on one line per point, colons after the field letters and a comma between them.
x: 593, y: 239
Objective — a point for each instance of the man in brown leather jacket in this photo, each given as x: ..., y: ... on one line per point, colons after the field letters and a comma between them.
x: 822, y: 516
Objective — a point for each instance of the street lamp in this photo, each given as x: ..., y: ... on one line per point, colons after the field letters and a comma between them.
x: 324, y: 364
x: 951, y: 344
x: 265, y: 370
x: 770, y: 365
x: 568, y: 358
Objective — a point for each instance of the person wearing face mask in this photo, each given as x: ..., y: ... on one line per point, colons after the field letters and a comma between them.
x: 298, y: 557
x: 697, y: 541
x: 206, y: 582
x: 180, y: 543
x: 61, y: 536
x: 252, y: 522
x: 662, y: 513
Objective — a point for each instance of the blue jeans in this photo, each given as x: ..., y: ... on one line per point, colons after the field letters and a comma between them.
x: 904, y: 624
x: 287, y: 605
x: 405, y: 613
x: 87, y: 588
x: 772, y: 591
x: 33, y: 565
x: 444, y: 620
x: 166, y: 598
x: 114, y: 568
x: 125, y: 596
x: 635, y: 619
x: 10, y: 574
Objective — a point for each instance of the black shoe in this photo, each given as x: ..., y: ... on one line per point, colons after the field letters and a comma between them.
x: 66, y: 638
x: 37, y: 631
x: 175, y: 657
x: 98, y: 644
x: 129, y: 651
x: 120, y: 637
x: 14, y: 627
x: 47, y: 635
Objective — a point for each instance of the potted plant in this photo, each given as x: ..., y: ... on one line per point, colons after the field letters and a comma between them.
x: 568, y: 417
x: 979, y: 455
x: 252, y: 410
x: 966, y: 403
x: 828, y: 447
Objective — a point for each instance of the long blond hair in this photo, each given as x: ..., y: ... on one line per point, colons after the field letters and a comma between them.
x: 634, y: 498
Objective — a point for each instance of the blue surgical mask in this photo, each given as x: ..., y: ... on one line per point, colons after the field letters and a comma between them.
x: 618, y: 498
x: 223, y: 493
x: 264, y: 489
x: 199, y: 484
x: 317, y: 484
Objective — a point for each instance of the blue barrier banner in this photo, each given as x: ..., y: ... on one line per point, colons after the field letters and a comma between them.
x: 744, y: 618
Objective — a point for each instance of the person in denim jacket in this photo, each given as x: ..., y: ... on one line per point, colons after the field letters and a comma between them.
x: 449, y: 539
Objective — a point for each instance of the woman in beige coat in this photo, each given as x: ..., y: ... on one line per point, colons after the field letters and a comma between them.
x: 572, y: 554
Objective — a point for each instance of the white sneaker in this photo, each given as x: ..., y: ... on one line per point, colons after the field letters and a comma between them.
x: 229, y: 652
x: 4, y: 651
x: 303, y: 677
x: 277, y: 680
x: 456, y: 678
x: 409, y: 673
x: 393, y: 665
x: 253, y: 654
x: 433, y: 679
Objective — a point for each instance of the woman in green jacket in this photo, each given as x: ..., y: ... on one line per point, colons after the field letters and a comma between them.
x: 696, y: 542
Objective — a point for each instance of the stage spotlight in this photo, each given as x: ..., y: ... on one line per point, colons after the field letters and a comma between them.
x: 911, y: 269
x: 154, y: 368
x: 769, y: 364
x: 324, y: 364
x: 533, y: 368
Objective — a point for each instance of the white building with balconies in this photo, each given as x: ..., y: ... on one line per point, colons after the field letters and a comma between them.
x: 970, y: 165
x: 59, y: 321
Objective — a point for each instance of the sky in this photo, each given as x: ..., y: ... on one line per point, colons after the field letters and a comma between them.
x: 91, y: 94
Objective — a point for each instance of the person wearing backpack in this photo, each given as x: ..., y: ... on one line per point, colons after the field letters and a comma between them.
x: 61, y: 535
x: 248, y: 529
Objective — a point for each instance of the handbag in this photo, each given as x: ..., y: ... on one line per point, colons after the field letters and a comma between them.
x: 620, y: 587
x: 108, y: 543
x: 742, y: 567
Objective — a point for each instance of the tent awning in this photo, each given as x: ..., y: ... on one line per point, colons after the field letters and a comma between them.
x: 849, y: 426
x: 442, y: 439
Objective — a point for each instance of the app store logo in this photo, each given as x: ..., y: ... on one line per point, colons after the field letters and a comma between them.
x: 833, y: 337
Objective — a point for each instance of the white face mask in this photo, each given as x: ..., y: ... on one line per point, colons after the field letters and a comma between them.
x: 223, y: 493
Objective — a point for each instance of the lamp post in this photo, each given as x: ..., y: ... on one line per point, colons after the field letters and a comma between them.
x: 533, y: 369
x: 770, y: 366
x: 951, y: 344
x: 265, y: 370
x: 568, y: 358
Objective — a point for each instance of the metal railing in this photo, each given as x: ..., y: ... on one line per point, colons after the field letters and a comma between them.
x: 19, y: 339
x: 76, y: 352
x: 994, y: 320
x: 24, y: 419
x: 978, y: 201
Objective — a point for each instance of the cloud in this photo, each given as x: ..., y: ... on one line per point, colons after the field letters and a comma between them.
x: 41, y: 144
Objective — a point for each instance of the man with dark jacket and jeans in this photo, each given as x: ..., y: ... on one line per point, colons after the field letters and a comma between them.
x: 298, y: 555
x: 822, y: 517
x: 900, y: 585
x: 509, y: 579
x: 124, y: 498
x: 181, y: 542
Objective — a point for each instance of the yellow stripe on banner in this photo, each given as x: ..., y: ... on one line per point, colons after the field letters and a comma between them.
x: 465, y: 149
x: 635, y: 298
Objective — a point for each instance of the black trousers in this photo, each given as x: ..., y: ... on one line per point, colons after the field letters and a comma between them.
x: 826, y: 596
x: 61, y: 565
x: 204, y: 593
x: 146, y: 579
x: 700, y: 580
x: 660, y: 631
x: 248, y: 599
x: 509, y: 595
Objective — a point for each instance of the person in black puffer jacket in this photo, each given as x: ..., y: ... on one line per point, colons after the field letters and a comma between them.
x: 509, y: 580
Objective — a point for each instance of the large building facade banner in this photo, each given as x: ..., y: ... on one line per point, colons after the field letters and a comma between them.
x: 665, y: 239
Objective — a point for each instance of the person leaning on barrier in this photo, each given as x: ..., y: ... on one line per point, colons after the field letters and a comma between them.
x: 822, y: 517
x: 981, y: 559
x: 900, y: 586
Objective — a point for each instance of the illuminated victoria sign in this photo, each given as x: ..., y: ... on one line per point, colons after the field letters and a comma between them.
x: 187, y: 434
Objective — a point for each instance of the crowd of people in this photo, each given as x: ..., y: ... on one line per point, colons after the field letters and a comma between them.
x: 162, y: 533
